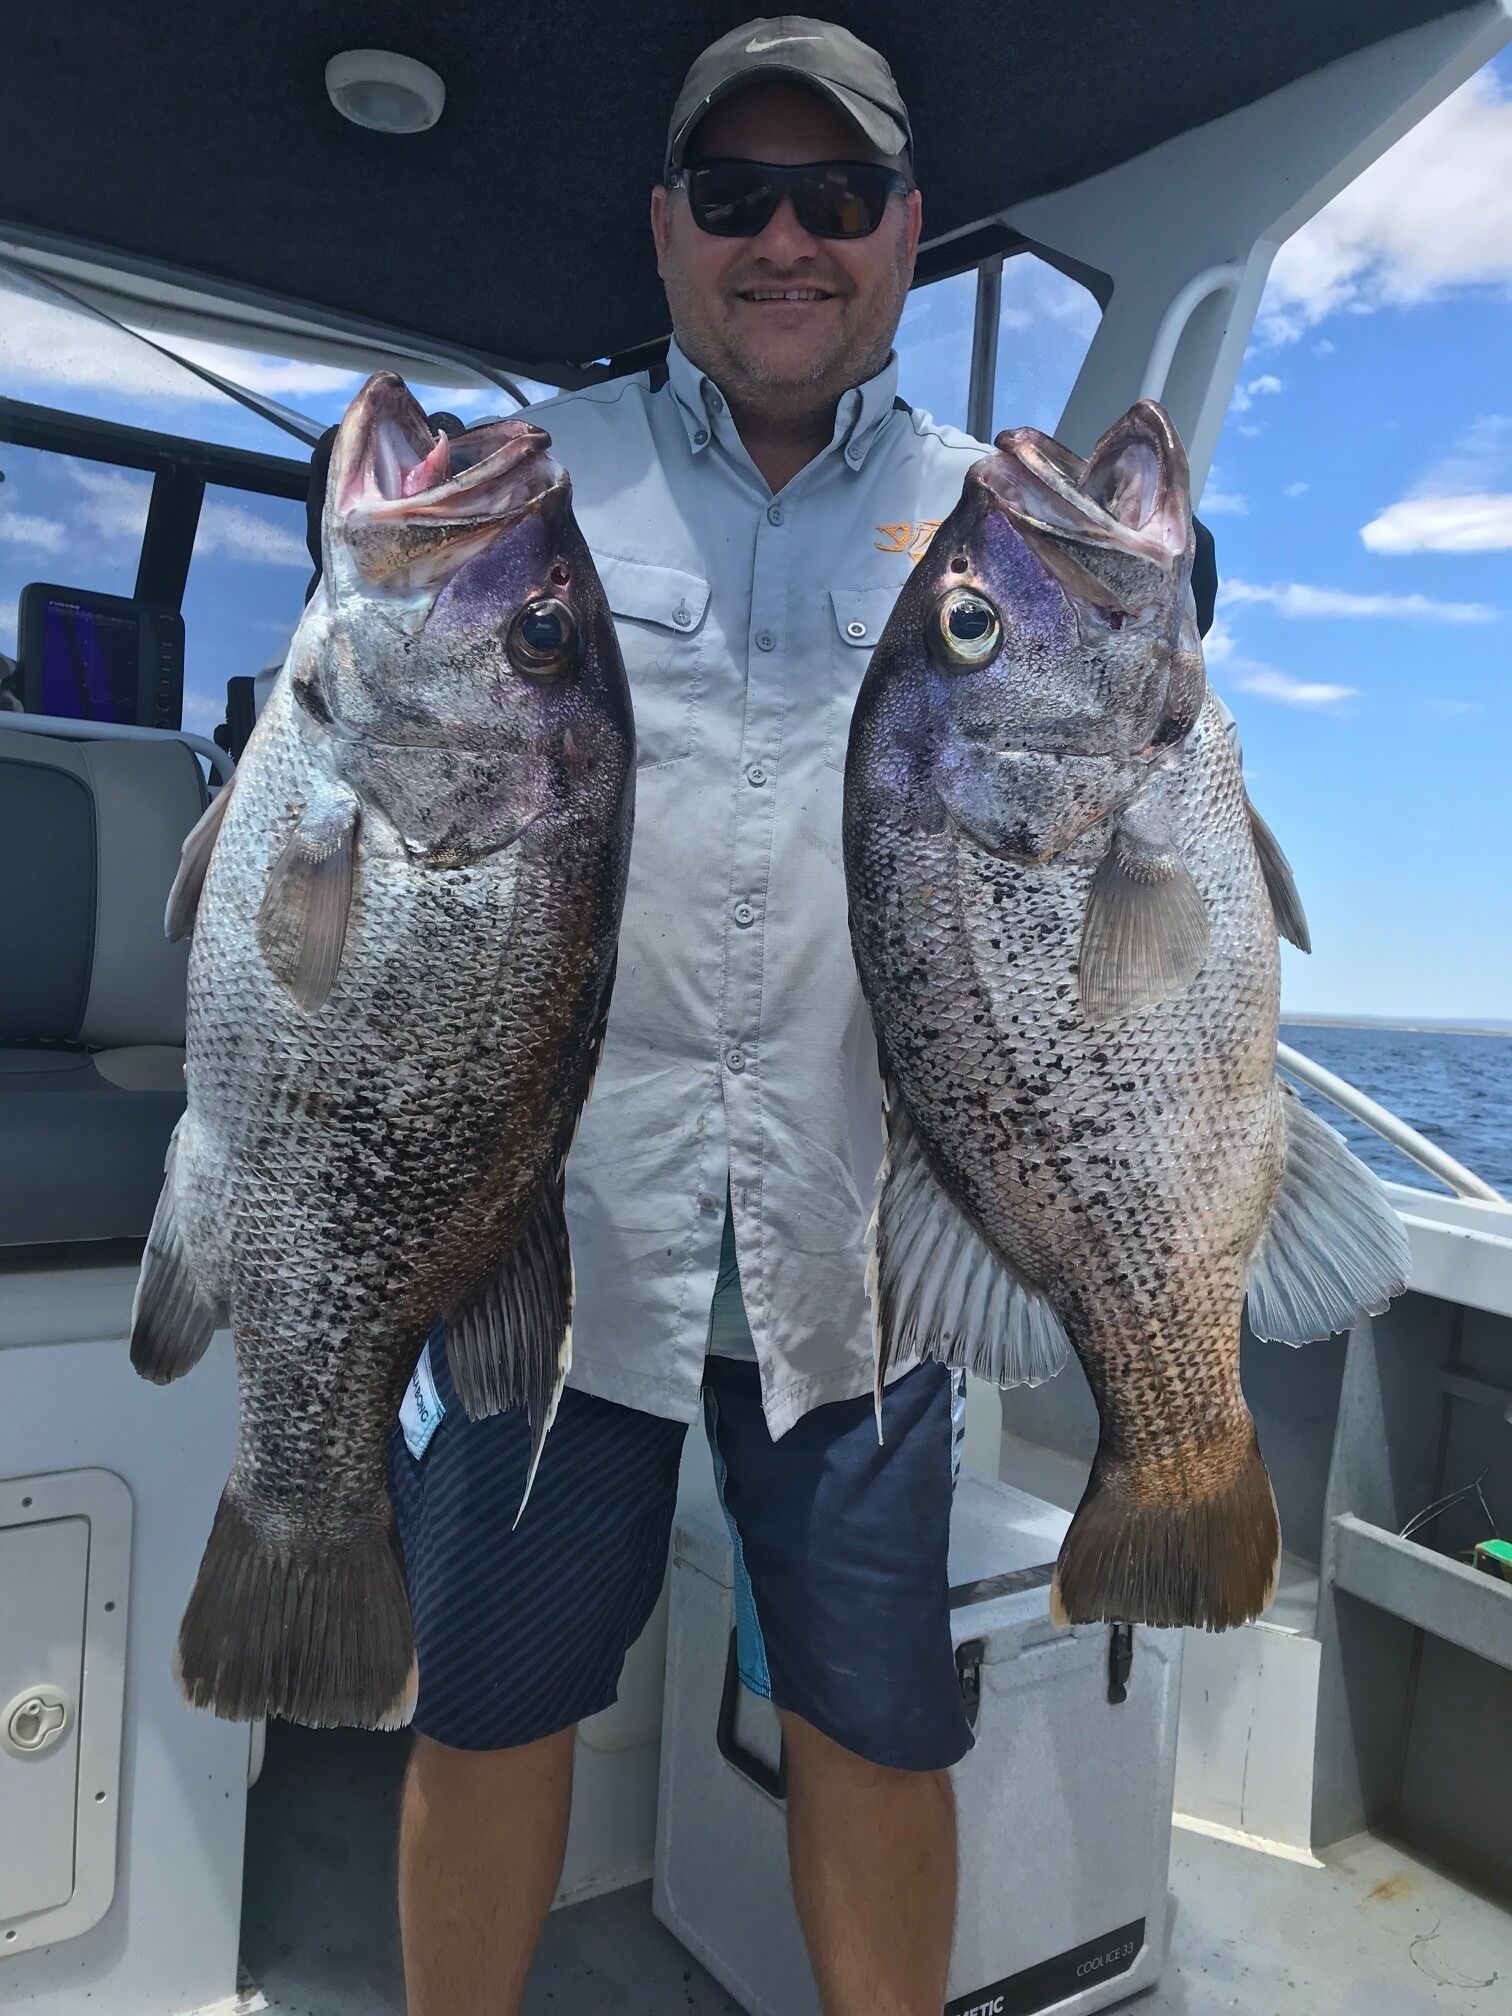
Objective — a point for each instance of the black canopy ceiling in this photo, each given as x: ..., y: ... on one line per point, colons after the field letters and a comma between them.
x: 200, y: 135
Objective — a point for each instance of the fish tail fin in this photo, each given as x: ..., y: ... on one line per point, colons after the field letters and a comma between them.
x: 315, y: 1630
x: 1132, y: 1557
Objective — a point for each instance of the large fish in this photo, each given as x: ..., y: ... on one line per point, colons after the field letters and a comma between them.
x: 405, y: 911
x: 1064, y: 911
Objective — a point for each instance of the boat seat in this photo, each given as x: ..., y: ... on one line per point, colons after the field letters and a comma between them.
x: 91, y: 992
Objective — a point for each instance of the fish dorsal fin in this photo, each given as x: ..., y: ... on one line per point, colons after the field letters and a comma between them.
x: 1334, y: 1249
x: 1286, y: 904
x: 194, y: 866
x: 938, y: 1290
x: 1145, y: 933
x: 509, y: 1344
x: 172, y: 1319
x: 301, y: 924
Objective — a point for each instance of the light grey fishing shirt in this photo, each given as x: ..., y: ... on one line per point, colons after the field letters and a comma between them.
x: 739, y: 1049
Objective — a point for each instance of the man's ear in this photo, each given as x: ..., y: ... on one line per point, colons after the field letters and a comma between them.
x: 915, y: 205
x: 660, y: 221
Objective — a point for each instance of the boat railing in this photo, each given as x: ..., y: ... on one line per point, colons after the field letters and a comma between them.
x: 1462, y: 1181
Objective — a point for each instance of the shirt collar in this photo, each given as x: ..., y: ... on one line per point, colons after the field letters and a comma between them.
x: 705, y: 416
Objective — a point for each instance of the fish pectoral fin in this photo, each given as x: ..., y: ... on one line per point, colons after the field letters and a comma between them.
x: 1334, y: 1249
x: 1286, y: 904
x: 509, y: 1344
x: 1145, y: 933
x: 938, y: 1290
x: 194, y: 865
x: 302, y: 921
x: 171, y: 1319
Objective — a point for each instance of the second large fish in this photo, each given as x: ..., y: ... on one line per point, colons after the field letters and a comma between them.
x: 1064, y: 911
x: 405, y: 910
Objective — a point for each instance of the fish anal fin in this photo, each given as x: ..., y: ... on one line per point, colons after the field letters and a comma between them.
x: 302, y: 920
x: 509, y: 1344
x: 1334, y: 1249
x: 1145, y: 932
x: 194, y: 865
x: 1286, y: 904
x: 938, y: 1290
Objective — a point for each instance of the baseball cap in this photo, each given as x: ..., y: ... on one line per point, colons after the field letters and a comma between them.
x: 793, y: 48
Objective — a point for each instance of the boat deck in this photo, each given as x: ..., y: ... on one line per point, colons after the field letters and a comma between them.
x: 1376, y: 1931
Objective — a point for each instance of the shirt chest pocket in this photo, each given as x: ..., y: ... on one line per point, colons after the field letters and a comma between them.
x: 660, y: 617
x: 860, y: 615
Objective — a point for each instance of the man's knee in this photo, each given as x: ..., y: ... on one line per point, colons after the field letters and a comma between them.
x: 815, y: 1756
x: 439, y: 1771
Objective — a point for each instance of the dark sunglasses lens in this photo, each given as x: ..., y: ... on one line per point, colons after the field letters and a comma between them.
x: 844, y: 201
x: 732, y: 199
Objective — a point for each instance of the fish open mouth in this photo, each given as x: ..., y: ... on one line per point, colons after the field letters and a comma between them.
x: 1132, y: 494
x: 413, y: 507
x: 388, y: 465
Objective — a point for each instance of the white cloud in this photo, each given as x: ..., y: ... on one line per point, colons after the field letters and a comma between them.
x: 113, y: 503
x: 1463, y: 504
x: 1266, y: 386
x: 1216, y: 503
x: 242, y: 534
x: 22, y: 528
x: 1297, y: 489
x: 9, y: 613
x: 1269, y: 684
x: 1442, y: 525
x: 1433, y: 216
x: 1324, y: 347
x: 1298, y: 599
x: 1219, y: 646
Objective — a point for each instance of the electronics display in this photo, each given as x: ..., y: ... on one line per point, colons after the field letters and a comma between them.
x: 93, y: 657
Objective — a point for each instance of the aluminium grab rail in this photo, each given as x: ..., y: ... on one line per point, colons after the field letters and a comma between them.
x: 1462, y: 1181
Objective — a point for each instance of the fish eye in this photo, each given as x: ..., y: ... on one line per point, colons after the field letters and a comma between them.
x: 541, y: 639
x: 970, y: 630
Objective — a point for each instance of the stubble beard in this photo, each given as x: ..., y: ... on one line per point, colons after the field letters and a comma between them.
x: 789, y: 399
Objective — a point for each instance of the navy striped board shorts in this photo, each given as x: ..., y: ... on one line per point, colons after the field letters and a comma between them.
x: 842, y: 1593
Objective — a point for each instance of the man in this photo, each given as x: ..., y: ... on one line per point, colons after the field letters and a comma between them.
x: 744, y: 513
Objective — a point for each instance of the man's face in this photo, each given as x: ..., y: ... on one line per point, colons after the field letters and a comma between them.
x: 783, y: 357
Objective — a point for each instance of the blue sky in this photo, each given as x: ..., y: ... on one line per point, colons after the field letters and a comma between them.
x: 1361, y: 499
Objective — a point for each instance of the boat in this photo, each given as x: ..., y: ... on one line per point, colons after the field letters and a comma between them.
x: 1342, y: 1782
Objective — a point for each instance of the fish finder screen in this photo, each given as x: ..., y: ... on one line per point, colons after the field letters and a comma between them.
x: 90, y: 663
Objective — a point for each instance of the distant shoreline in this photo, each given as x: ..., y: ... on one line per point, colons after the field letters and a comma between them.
x: 1424, y: 1027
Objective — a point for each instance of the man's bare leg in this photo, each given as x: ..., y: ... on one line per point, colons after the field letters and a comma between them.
x: 481, y: 1841
x: 873, y: 1855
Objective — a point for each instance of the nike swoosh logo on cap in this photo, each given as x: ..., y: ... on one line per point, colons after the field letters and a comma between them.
x: 777, y: 42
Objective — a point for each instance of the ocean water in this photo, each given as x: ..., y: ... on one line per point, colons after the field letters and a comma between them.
x: 1455, y: 1089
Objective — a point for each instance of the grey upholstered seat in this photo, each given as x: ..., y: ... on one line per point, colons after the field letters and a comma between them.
x: 91, y: 993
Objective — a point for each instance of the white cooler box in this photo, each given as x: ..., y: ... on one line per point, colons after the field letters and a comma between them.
x: 1064, y: 1803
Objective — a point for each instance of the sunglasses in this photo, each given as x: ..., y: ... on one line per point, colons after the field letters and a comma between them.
x: 831, y: 199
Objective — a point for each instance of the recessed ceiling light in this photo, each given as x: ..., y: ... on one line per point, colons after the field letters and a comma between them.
x: 383, y: 91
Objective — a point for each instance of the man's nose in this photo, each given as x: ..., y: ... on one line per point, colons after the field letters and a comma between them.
x: 784, y: 239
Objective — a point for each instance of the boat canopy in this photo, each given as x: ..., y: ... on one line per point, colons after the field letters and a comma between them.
x: 198, y: 146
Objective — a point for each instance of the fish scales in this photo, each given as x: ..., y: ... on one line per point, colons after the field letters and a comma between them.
x: 405, y: 909
x: 1064, y: 912
x: 1080, y: 1150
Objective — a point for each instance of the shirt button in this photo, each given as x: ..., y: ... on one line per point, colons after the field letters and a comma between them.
x: 682, y: 615
x: 765, y: 641
x: 700, y: 437
x: 706, y: 1201
x: 852, y: 629
x: 756, y: 775
x: 735, y: 1060
x: 774, y: 514
x: 716, y: 403
x: 744, y: 914
x: 853, y: 456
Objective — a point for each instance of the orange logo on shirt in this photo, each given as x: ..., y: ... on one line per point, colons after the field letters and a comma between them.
x: 910, y: 539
